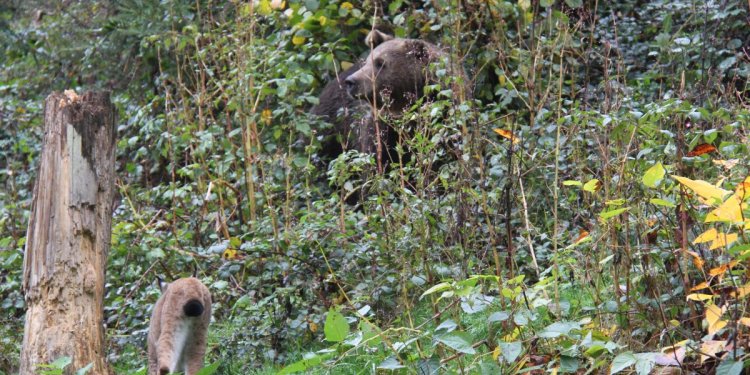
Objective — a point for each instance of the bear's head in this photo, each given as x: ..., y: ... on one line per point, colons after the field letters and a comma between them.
x: 395, y: 73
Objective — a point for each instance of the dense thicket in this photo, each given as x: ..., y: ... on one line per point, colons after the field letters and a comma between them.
x: 582, y: 241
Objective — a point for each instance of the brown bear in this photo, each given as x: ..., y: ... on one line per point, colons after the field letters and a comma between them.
x: 351, y: 117
x: 389, y: 80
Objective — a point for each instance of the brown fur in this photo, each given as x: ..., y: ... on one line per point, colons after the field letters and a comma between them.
x: 167, y: 353
x: 395, y: 73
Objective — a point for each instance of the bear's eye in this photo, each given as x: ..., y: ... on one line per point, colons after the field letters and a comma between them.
x: 379, y: 63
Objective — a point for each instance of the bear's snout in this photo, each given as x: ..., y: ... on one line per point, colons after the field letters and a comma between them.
x: 351, y: 86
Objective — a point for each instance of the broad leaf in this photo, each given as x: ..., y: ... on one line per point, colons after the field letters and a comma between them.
x: 458, y: 341
x: 729, y: 367
x: 510, y: 350
x: 707, y: 191
x: 336, y: 328
x: 390, y: 363
x: 622, y: 361
x: 654, y: 175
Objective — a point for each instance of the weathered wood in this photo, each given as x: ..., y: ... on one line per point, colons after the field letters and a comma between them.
x: 69, y: 234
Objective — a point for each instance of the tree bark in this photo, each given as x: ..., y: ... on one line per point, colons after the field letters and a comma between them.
x: 69, y: 234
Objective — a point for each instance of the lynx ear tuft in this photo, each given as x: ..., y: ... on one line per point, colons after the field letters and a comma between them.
x: 193, y: 308
x: 162, y: 285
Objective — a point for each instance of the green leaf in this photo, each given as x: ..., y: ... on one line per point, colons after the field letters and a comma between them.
x: 336, y: 327
x: 391, y: 363
x: 369, y: 332
x: 429, y: 366
x: 510, y: 350
x: 612, y: 213
x: 592, y: 185
x: 654, y: 175
x: 729, y: 367
x: 210, y: 369
x: 574, y: 3
x: 661, y: 202
x: 437, y: 288
x: 458, y: 341
x: 644, y: 363
x: 558, y: 329
x: 85, y: 370
x: 303, y: 365
x: 615, y: 202
x: 569, y: 364
x: 622, y: 361
x: 61, y: 362
x: 572, y: 183
x: 546, y: 3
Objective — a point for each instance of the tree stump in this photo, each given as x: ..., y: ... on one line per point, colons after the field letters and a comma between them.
x: 68, y: 237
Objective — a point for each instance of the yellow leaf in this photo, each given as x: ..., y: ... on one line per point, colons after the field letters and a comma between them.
x: 718, y: 271
x: 496, y: 353
x: 743, y: 291
x: 266, y: 115
x: 347, y: 5
x: 707, y: 236
x: 709, y: 348
x: 700, y: 286
x: 745, y: 321
x: 298, y: 39
x: 716, y: 327
x: 699, y: 297
x: 674, y: 322
x: 313, y: 327
x: 729, y: 211
x: 322, y: 20
x: 713, y: 314
x: 697, y: 260
x: 722, y: 240
x: 229, y: 254
x: 507, y: 134
x: 704, y: 189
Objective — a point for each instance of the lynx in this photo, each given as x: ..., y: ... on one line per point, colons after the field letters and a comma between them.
x: 179, y: 323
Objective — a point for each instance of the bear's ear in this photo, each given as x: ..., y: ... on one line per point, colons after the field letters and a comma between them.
x: 418, y: 49
x: 375, y: 38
